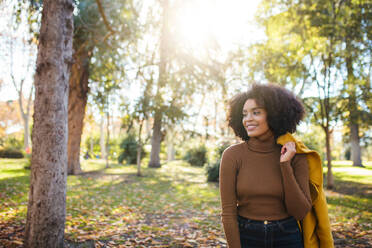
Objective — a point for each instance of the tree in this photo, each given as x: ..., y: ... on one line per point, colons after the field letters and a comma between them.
x: 356, y: 61
x: 94, y: 37
x: 9, y: 116
x: 47, y: 198
x: 157, y: 135
x: 22, y: 42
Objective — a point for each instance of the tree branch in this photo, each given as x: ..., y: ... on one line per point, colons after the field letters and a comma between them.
x: 100, y: 8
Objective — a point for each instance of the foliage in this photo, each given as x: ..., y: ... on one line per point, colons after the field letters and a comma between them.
x: 128, y: 150
x: 10, y: 153
x: 213, y: 171
x: 313, y: 138
x: 92, y: 140
x: 11, y: 142
x: 196, y: 156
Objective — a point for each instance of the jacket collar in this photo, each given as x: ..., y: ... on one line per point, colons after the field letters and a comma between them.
x: 313, y: 158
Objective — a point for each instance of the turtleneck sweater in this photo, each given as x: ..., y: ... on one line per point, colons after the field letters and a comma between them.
x: 256, y: 185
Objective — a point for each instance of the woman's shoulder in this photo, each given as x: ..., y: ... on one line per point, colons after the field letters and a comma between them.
x: 233, y: 149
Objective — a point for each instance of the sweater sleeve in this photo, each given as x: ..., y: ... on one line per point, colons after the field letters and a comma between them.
x: 295, y: 175
x: 227, y: 177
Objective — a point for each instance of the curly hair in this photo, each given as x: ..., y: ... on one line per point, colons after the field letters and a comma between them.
x: 284, y: 109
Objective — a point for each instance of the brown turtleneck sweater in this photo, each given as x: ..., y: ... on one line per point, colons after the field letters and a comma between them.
x: 256, y: 185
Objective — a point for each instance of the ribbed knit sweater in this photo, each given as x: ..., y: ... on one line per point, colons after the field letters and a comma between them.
x: 256, y: 185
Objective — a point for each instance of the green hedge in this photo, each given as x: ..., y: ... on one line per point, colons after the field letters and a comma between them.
x: 128, y: 150
x: 196, y: 156
x: 213, y: 171
x: 11, y: 153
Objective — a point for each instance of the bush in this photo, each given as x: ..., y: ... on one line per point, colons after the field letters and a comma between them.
x: 128, y: 150
x: 196, y: 156
x: 213, y: 171
x: 11, y: 153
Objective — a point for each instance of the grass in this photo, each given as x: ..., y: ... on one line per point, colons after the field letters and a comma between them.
x: 173, y: 205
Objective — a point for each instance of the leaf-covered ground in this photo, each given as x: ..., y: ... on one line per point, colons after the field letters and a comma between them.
x: 168, y: 207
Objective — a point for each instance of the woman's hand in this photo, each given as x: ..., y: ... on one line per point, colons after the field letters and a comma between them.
x: 288, y: 151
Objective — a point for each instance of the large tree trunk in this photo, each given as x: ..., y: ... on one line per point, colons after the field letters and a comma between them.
x: 156, y: 141
x: 77, y: 102
x: 330, y: 181
x: 355, y: 146
x: 47, y: 198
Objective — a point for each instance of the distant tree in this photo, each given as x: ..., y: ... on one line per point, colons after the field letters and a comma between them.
x: 46, y: 210
x: 103, y: 29
x: 9, y: 116
x: 317, y: 45
x: 356, y: 62
x: 18, y: 40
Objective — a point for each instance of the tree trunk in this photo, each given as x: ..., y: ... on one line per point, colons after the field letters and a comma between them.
x: 91, y: 148
x: 77, y: 102
x: 47, y: 198
x: 26, y: 142
x: 330, y: 182
x: 170, y: 145
x: 156, y: 141
x: 107, y: 139
x: 157, y: 136
x: 102, y: 138
x: 355, y: 146
x: 139, y: 150
x: 353, y: 110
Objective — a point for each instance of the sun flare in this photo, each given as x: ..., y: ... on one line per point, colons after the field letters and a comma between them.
x: 213, y: 23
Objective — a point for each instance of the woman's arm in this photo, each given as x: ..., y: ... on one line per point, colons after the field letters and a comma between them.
x: 227, y: 178
x: 295, y: 175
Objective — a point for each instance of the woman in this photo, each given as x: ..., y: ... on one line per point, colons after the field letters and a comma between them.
x: 264, y: 186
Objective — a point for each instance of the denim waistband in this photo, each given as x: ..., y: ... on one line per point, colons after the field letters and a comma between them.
x: 265, y: 222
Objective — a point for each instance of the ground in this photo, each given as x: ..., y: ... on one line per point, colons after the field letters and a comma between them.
x: 172, y: 206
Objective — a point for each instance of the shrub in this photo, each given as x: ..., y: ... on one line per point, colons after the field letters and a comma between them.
x: 128, y: 150
x: 221, y: 148
x: 11, y: 153
x: 197, y: 155
x: 213, y: 171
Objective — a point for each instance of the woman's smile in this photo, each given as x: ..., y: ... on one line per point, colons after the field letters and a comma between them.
x: 254, y: 119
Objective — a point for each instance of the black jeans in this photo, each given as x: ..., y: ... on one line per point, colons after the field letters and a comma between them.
x: 272, y: 234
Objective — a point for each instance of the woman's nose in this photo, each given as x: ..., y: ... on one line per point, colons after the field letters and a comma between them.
x: 247, y: 117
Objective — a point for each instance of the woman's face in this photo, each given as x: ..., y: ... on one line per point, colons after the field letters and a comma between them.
x: 254, y: 119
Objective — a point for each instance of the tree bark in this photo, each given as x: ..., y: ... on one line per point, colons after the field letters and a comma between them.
x: 157, y: 135
x: 102, y: 138
x: 170, y: 145
x: 330, y: 181
x: 77, y: 102
x: 107, y: 138
x: 355, y: 145
x: 156, y: 141
x: 353, y: 110
x: 47, y: 198
x: 139, y: 149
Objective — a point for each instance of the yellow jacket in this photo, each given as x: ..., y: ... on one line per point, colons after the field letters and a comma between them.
x: 316, y: 227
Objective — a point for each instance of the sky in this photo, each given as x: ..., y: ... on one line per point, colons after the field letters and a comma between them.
x: 229, y: 21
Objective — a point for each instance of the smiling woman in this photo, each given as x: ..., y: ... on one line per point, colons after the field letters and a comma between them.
x: 213, y: 23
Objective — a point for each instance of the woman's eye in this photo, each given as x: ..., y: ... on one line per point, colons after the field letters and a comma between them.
x: 256, y: 112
